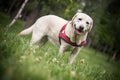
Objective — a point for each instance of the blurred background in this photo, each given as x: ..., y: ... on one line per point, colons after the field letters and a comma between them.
x: 104, y: 37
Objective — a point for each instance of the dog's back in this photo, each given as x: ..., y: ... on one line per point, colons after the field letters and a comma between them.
x: 51, y: 22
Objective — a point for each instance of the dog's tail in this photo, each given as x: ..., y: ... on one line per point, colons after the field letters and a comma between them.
x: 27, y: 31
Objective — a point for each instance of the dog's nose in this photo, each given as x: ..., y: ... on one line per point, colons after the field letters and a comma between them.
x: 81, y: 28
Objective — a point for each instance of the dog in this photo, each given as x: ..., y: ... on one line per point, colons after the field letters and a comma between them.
x: 67, y: 35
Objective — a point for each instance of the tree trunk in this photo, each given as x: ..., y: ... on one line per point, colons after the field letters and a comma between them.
x: 105, y: 49
x: 97, y: 48
x: 18, y: 14
x: 114, y: 55
x: 89, y: 42
x: 11, y: 6
x: 110, y: 51
x: 33, y: 16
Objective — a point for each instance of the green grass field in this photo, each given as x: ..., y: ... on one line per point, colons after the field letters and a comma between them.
x: 19, y: 61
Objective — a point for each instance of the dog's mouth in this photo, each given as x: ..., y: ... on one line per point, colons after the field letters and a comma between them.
x: 79, y: 31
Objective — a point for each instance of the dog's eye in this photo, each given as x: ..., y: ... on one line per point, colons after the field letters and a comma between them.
x: 87, y: 22
x: 79, y: 19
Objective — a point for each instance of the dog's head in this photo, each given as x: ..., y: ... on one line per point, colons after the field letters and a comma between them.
x: 82, y: 23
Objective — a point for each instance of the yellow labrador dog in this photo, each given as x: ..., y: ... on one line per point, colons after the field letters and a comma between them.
x: 68, y: 35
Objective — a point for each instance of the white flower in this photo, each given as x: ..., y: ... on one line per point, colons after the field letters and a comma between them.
x: 20, y: 61
x: 62, y: 64
x: 4, y: 40
x: 34, y: 51
x: 82, y: 61
x: 54, y: 59
x: 23, y: 57
x: 72, y: 73
x: 36, y: 59
x: 45, y: 54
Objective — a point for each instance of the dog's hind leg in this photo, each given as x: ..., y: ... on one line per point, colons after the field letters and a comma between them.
x: 38, y: 39
x: 43, y: 41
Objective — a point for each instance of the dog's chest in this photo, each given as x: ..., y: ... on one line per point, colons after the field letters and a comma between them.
x: 67, y: 47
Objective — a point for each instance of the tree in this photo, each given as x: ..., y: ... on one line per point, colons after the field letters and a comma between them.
x: 18, y: 14
x: 31, y: 18
x: 61, y: 8
x: 11, y: 6
x: 109, y: 29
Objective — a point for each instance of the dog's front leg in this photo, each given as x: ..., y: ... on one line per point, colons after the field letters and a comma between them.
x: 73, y: 55
x: 61, y: 50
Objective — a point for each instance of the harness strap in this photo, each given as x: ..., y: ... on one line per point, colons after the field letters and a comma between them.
x: 63, y: 36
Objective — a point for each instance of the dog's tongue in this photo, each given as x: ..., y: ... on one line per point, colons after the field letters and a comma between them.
x: 78, y: 32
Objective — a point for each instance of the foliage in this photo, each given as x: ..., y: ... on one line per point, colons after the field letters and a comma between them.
x: 20, y: 62
x: 72, y: 8
x: 64, y: 8
x: 109, y: 26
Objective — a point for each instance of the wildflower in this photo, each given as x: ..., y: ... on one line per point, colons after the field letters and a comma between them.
x: 72, y: 73
x: 62, y: 64
x: 82, y: 61
x: 37, y: 59
x: 103, y: 72
x: 54, y: 60
x: 23, y: 57
x: 20, y: 61
x: 4, y: 40
x: 57, y: 61
x: 45, y: 54
x: 34, y: 51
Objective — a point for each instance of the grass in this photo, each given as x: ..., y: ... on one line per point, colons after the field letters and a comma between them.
x: 18, y: 61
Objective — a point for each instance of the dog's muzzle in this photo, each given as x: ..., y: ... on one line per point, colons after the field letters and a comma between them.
x: 79, y: 30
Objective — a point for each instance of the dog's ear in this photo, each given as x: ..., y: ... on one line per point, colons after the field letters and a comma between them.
x: 73, y: 18
x: 91, y: 25
x: 78, y: 11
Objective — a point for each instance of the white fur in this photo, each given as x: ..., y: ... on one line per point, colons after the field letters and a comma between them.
x: 48, y: 28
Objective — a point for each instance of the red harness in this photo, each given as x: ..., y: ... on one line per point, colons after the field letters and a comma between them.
x: 63, y: 36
